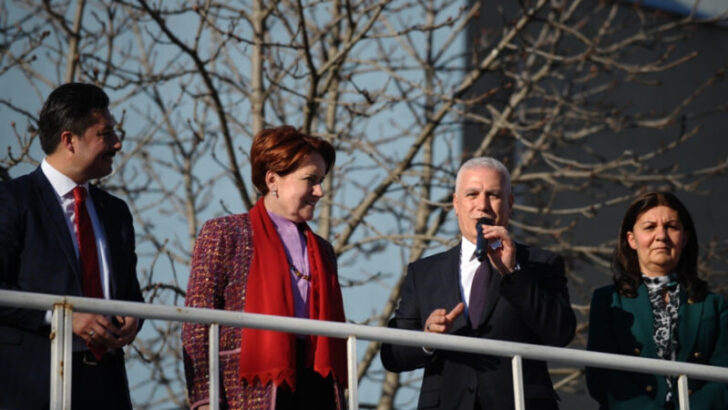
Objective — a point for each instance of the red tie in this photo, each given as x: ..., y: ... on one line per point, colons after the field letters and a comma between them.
x: 88, y: 255
x: 87, y: 246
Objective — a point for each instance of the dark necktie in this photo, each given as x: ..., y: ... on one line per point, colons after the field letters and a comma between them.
x: 477, y: 292
x: 91, y: 277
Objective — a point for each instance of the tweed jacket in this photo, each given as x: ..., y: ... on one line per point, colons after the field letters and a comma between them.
x: 624, y: 325
x: 222, y: 257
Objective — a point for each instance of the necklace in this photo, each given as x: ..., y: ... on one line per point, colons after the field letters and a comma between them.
x: 300, y: 274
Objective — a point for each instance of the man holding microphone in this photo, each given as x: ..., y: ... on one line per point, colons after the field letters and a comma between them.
x: 502, y: 291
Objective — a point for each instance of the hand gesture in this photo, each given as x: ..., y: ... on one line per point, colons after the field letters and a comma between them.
x: 440, y: 320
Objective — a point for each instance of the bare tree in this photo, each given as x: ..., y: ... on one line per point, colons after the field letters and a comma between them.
x: 392, y: 84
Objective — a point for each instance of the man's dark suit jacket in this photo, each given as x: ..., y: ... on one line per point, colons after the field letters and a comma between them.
x: 37, y: 255
x: 529, y: 306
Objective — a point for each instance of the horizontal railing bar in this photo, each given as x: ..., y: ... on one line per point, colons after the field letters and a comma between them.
x: 343, y: 330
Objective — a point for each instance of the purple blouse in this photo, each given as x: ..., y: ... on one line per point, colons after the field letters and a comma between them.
x: 294, y: 244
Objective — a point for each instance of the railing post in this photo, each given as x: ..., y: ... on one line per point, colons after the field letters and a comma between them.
x: 57, y: 341
x: 353, y: 373
x: 682, y: 392
x: 67, y: 356
x: 518, y: 383
x: 214, y: 352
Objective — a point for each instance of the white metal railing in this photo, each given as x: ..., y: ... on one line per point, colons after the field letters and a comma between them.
x: 61, y: 333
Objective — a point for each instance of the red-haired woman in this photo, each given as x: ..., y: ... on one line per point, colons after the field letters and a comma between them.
x: 269, y: 261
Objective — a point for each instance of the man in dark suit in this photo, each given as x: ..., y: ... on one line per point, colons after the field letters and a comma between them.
x: 518, y: 293
x: 54, y: 240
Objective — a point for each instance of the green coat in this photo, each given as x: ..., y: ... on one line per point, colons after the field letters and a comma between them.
x: 624, y: 325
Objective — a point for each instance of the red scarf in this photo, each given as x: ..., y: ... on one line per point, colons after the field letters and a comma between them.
x: 267, y: 355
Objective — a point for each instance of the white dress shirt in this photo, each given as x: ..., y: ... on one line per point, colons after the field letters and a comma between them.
x: 468, y: 265
x: 63, y: 187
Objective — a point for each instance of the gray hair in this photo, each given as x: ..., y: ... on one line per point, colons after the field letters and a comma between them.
x: 486, y: 162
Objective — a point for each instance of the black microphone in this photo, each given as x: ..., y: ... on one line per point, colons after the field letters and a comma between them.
x: 480, y: 247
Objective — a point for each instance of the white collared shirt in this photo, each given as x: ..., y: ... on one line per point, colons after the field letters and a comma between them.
x: 63, y: 188
x: 468, y: 265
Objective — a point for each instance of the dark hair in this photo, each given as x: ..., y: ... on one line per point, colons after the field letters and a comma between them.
x: 70, y: 107
x: 281, y: 150
x: 626, y: 268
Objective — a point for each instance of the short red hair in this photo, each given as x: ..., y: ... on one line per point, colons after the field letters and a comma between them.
x: 281, y: 150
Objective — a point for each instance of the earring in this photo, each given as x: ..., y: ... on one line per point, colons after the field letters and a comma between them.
x: 275, y: 192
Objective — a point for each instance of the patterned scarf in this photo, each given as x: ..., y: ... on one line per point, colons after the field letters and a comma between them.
x: 665, y: 320
x: 267, y: 355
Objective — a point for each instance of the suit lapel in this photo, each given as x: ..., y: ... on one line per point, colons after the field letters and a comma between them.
x: 450, y: 284
x: 110, y: 230
x: 492, y: 296
x: 642, y: 328
x: 58, y: 226
x: 689, y: 315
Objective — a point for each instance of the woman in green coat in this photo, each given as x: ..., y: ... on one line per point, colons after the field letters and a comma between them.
x: 657, y: 308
